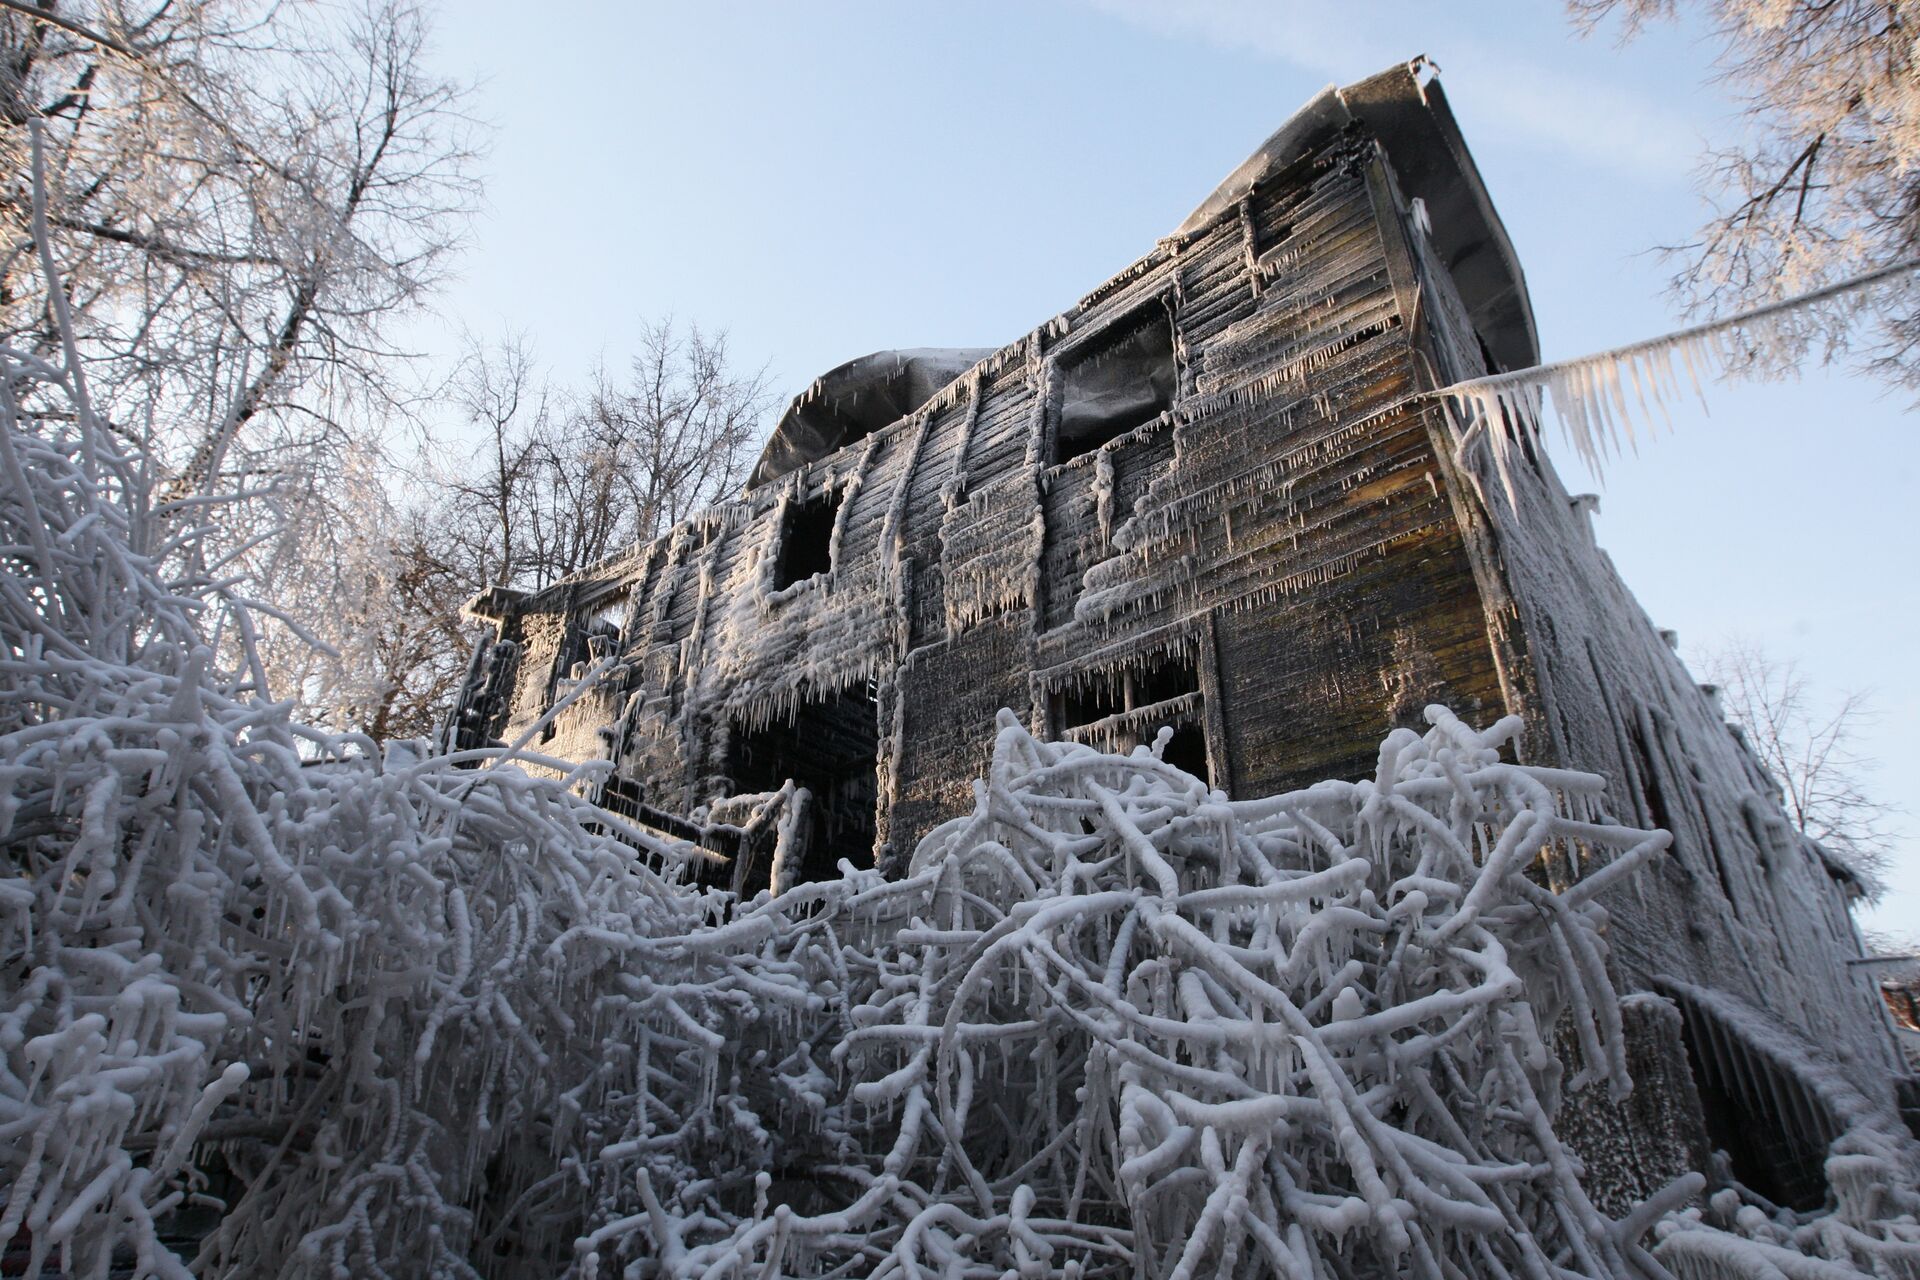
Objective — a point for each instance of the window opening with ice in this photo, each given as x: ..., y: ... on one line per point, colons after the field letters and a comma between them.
x: 1120, y: 708
x: 830, y: 745
x: 806, y: 539
x: 1114, y: 382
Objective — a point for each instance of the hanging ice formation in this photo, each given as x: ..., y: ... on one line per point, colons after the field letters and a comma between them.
x: 1613, y: 397
x: 435, y: 1015
x: 415, y: 1016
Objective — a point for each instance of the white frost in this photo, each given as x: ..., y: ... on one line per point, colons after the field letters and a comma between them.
x: 1611, y: 398
x: 431, y: 1014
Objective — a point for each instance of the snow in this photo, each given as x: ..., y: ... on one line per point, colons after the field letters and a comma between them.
x: 429, y: 1012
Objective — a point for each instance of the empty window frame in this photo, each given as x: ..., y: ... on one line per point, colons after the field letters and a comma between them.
x: 1115, y: 381
x: 829, y: 744
x: 1120, y: 708
x: 806, y: 539
x: 605, y: 620
x: 595, y: 628
x: 594, y: 631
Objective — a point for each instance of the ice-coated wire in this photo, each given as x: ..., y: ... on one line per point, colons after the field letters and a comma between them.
x: 333, y: 1013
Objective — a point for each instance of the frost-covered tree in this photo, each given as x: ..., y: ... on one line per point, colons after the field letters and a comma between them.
x: 247, y: 195
x: 1823, y: 183
x: 545, y: 482
x: 376, y: 642
x: 562, y: 478
x: 1813, y: 754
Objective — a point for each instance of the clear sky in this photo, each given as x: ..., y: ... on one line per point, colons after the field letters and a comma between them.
x: 831, y: 178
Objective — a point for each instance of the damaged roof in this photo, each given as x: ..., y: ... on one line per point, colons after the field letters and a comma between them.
x: 856, y: 399
x: 1409, y: 116
x: 1402, y: 107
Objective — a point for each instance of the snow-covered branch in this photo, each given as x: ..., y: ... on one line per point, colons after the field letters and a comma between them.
x: 302, y: 1005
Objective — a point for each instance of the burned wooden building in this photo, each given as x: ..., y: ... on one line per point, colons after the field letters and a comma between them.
x: 1211, y: 497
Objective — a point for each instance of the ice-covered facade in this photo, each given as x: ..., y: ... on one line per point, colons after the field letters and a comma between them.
x: 1213, y: 496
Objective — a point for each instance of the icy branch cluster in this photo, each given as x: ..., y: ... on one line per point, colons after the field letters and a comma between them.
x: 400, y: 1013
x: 351, y: 1004
x: 249, y: 960
x: 1873, y: 1229
x: 1114, y: 1024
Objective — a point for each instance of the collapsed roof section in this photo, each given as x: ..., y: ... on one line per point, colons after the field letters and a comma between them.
x: 1403, y: 108
x: 857, y: 399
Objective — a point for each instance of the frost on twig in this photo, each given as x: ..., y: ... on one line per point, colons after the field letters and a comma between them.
x: 435, y: 1015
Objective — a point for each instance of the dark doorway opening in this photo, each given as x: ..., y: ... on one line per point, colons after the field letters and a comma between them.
x: 1120, y: 380
x: 831, y: 746
x: 806, y: 539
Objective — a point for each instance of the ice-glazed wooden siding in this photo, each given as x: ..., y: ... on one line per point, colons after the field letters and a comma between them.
x: 1741, y: 905
x: 1300, y: 505
x: 1295, y: 532
x: 1285, y: 525
x: 1296, y: 540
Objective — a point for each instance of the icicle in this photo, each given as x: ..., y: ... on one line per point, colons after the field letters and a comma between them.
x: 1598, y: 409
x: 428, y: 1001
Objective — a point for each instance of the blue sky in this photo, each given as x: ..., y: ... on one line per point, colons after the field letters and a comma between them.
x: 830, y: 178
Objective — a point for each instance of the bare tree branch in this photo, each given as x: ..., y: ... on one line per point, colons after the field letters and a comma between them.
x: 1812, y: 754
x: 1826, y: 87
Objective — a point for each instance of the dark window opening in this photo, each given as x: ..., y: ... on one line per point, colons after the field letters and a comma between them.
x: 831, y: 746
x: 1662, y: 816
x: 1521, y: 435
x: 1118, y: 381
x: 1094, y: 696
x: 1773, y: 1130
x: 593, y: 632
x: 570, y: 662
x: 806, y: 539
x: 588, y: 638
x: 1187, y: 752
x: 1269, y: 248
x: 1163, y: 679
x: 606, y: 622
x: 1121, y: 708
x: 1720, y: 867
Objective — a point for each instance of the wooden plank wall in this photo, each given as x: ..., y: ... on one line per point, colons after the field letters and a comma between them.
x: 1290, y: 500
x: 1740, y: 904
x: 1296, y: 526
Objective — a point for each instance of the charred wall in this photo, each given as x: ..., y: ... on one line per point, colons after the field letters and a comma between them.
x: 1212, y: 497
x: 1216, y: 442
x: 1293, y: 500
x: 1294, y: 511
x: 1741, y: 904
